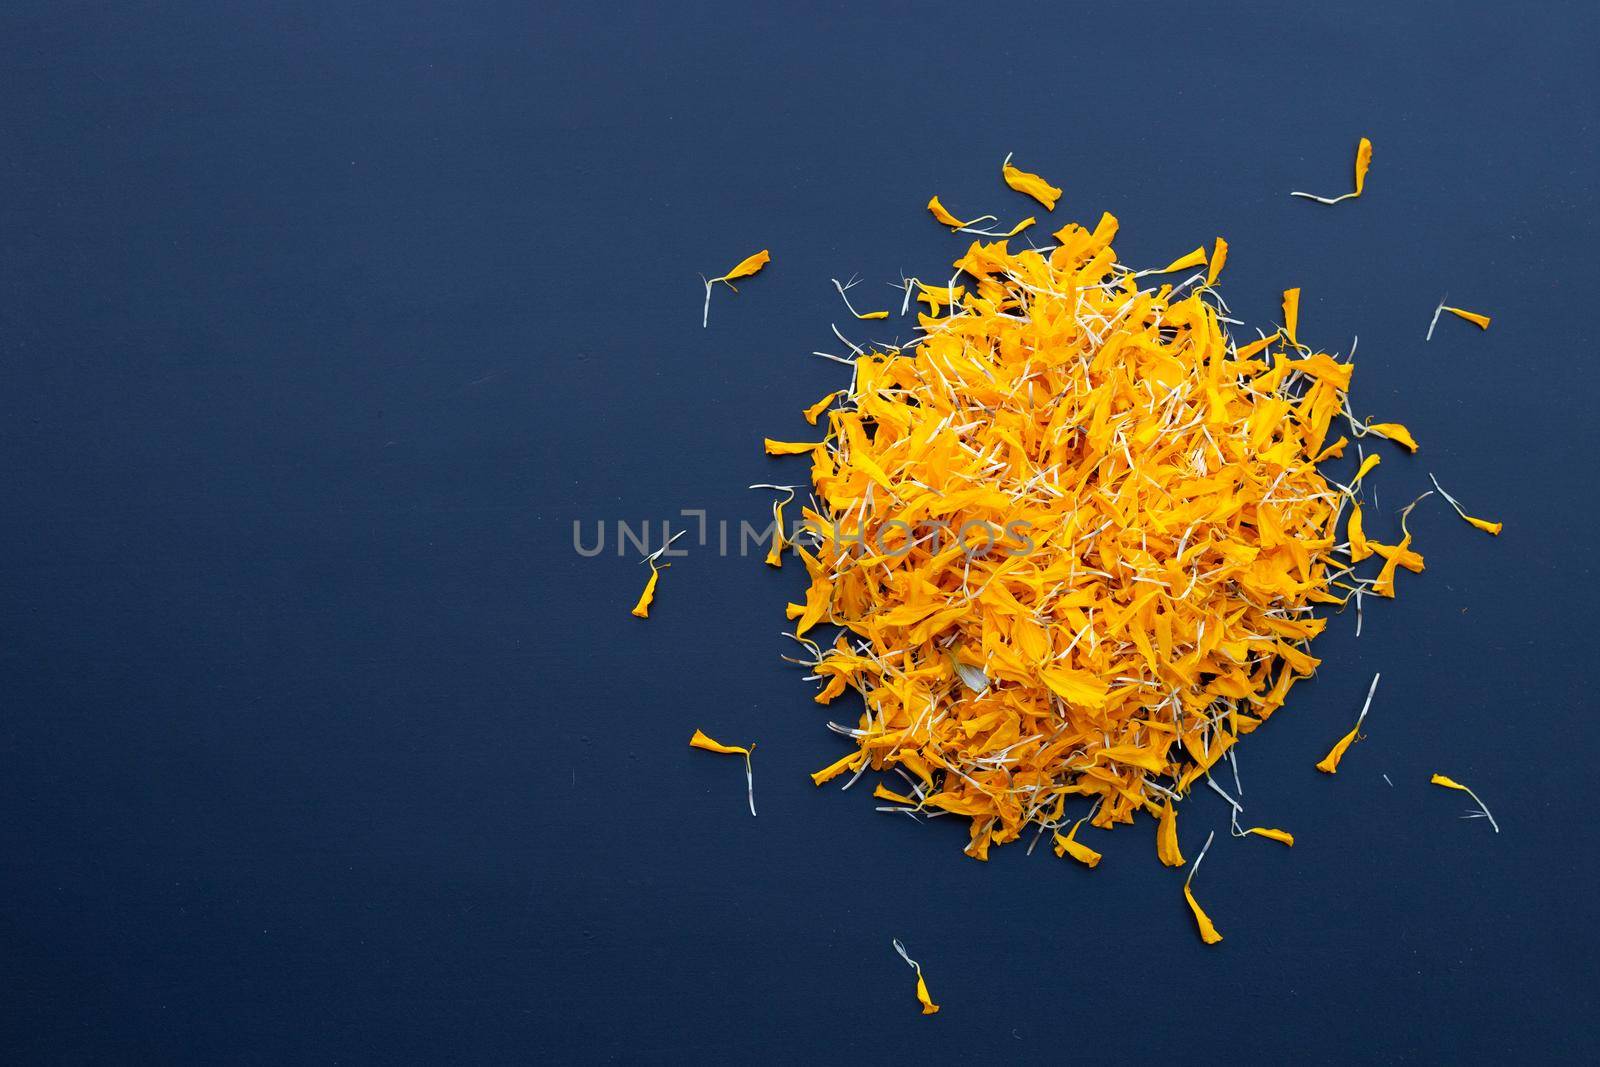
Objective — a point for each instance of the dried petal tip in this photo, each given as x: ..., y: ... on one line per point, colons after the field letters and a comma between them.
x: 928, y: 1006
x: 943, y: 215
x: 700, y: 740
x: 1329, y: 764
x: 790, y: 448
x: 1208, y: 930
x: 811, y: 413
x: 641, y: 610
x: 1167, y: 837
x: 1070, y: 846
x: 1483, y: 524
x: 1480, y: 321
x: 833, y: 770
x: 1219, y: 256
x: 1197, y: 258
x: 1031, y: 184
x: 746, y: 267
x: 1363, y: 163
x: 1395, y: 432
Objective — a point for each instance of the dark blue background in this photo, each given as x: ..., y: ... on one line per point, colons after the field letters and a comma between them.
x: 320, y: 325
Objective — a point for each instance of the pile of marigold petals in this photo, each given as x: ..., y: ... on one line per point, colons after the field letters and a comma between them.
x: 1145, y: 534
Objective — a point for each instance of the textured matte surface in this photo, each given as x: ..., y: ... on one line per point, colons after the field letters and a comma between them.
x: 320, y: 325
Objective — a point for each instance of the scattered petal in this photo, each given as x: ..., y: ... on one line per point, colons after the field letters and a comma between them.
x: 700, y: 740
x: 1480, y: 321
x: 1197, y: 258
x: 1482, y: 524
x: 1208, y: 930
x: 818, y: 408
x: 791, y: 448
x: 833, y: 770
x: 945, y: 217
x: 1394, y: 432
x: 1363, y: 162
x: 745, y: 267
x: 1329, y: 764
x: 1167, y: 837
x: 1070, y: 846
x: 928, y: 1006
x: 641, y: 610
x: 1291, y: 314
x: 1031, y: 184
x: 1219, y: 256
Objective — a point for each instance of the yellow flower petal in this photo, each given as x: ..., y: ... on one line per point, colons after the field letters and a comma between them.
x: 1482, y: 524
x: 888, y: 794
x: 943, y: 215
x: 1291, y: 314
x: 1167, y: 837
x: 1246, y: 351
x: 1219, y: 256
x: 1360, y: 548
x: 1394, y: 432
x: 928, y: 1006
x: 775, y: 551
x: 1363, y: 162
x: 700, y: 740
x: 1384, y: 584
x: 1077, y: 687
x: 1070, y: 846
x: 1197, y: 258
x: 1329, y: 764
x: 1031, y: 184
x: 1283, y: 836
x: 818, y: 408
x: 1480, y: 321
x: 791, y: 448
x: 833, y: 770
x: 1208, y: 929
x: 641, y: 609
x: 747, y: 266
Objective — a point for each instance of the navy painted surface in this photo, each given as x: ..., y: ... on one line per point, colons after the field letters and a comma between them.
x: 320, y: 325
